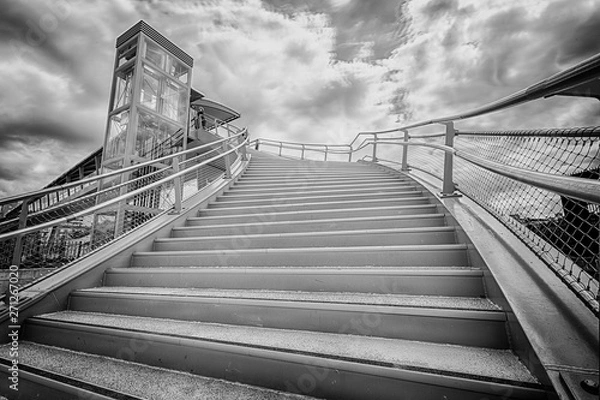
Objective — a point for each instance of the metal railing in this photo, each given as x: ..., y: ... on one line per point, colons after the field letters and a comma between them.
x: 542, y: 184
x: 69, y: 229
x: 324, y: 150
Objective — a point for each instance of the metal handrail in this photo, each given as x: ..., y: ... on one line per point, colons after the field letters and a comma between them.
x: 126, y: 196
x: 568, y: 187
x: 268, y: 141
x: 579, y: 188
x: 326, y: 149
x: 41, y: 192
x: 582, y: 72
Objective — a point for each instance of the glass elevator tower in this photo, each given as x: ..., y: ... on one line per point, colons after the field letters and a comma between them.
x: 149, y: 100
x: 148, y: 118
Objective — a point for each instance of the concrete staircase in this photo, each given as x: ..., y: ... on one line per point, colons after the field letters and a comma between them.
x: 325, y: 279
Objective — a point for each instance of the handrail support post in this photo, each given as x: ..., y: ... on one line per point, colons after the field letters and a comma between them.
x: 374, y: 157
x: 227, y: 162
x: 405, y: 167
x: 177, y: 187
x: 18, y: 250
x: 243, y: 139
x: 448, y: 187
x: 303, y: 148
x: 326, y: 151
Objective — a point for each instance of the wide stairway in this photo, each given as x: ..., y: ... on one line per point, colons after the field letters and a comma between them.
x: 305, y: 279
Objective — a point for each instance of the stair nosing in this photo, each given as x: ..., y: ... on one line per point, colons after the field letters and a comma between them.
x: 387, y: 309
x: 223, y: 201
x: 391, y: 271
x: 309, y: 234
x: 339, y: 210
x: 295, y: 355
x: 349, y: 249
x: 301, y: 222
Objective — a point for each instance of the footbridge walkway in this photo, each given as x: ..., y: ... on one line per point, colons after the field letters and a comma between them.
x: 457, y: 264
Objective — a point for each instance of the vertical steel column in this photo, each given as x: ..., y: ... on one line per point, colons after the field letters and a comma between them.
x: 242, y: 141
x: 18, y: 250
x: 448, y: 187
x: 326, y: 150
x: 303, y: 148
x: 177, y: 186
x: 280, y: 147
x: 227, y: 162
x: 405, y: 152
x: 374, y: 147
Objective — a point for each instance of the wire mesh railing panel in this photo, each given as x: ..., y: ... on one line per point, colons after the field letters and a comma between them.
x: 563, y: 231
x: 203, y: 176
x: 56, y: 246
x: 427, y: 159
x: 70, y: 231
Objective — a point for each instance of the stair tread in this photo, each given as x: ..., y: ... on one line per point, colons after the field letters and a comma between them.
x: 312, y: 234
x: 412, y: 247
x: 271, y: 212
x: 254, y: 189
x: 305, y: 222
x: 271, y: 207
x: 417, y: 301
x: 310, y: 197
x: 316, y: 269
x: 136, y: 379
x: 232, y: 195
x: 472, y: 362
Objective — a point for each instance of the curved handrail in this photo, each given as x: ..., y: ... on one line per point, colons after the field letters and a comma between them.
x: 41, y: 192
x: 582, y: 72
x: 271, y: 141
x: 570, y: 187
x: 326, y: 149
x: 126, y: 196
x: 583, y: 189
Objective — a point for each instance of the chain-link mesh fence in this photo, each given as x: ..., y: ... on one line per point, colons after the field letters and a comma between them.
x: 562, y: 231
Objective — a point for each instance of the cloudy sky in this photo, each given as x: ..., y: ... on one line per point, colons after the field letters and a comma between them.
x: 307, y: 70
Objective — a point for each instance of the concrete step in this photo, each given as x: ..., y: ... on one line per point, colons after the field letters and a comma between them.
x: 79, y: 375
x: 454, y: 320
x: 272, y: 215
x: 338, y: 365
x: 314, y: 196
x: 303, y: 189
x: 415, y: 255
x: 326, y: 224
x: 310, y: 198
x: 324, y: 202
x: 415, y: 198
x: 315, y: 176
x: 358, y: 237
x: 311, y: 169
x: 254, y: 165
x: 356, y: 181
x: 310, y: 172
x: 308, y: 182
x: 233, y: 195
x: 438, y: 281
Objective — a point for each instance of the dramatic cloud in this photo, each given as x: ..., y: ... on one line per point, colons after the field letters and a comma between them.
x: 308, y: 70
x: 461, y: 55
